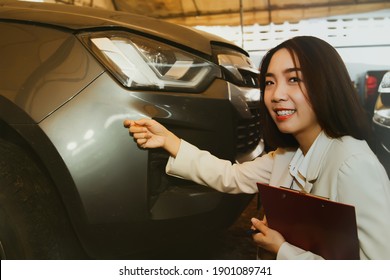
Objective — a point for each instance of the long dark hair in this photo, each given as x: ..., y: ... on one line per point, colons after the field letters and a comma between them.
x: 330, y: 90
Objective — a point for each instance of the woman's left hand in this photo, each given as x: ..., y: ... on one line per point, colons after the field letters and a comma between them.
x: 267, y: 238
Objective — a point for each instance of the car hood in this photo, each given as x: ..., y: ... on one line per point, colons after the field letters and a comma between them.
x: 79, y: 18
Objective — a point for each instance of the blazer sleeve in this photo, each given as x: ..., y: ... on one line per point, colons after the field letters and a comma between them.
x: 203, y: 168
x: 362, y: 182
x: 291, y: 252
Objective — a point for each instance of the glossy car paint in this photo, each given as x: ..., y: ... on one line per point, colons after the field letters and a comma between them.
x: 68, y: 111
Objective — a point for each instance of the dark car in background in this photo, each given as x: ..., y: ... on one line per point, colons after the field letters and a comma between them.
x: 381, y: 121
x: 371, y: 82
x: 373, y: 95
x: 73, y: 184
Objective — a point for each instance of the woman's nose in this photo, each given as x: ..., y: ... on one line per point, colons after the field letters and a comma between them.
x: 279, y: 93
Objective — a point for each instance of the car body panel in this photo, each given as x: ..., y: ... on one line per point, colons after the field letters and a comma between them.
x: 47, y: 74
x: 110, y: 195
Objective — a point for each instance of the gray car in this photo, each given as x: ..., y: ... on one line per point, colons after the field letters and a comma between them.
x: 381, y: 121
x: 73, y: 184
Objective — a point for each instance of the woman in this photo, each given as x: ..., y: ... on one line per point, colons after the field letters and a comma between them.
x: 313, y: 119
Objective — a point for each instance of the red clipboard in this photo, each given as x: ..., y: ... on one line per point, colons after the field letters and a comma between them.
x: 315, y: 224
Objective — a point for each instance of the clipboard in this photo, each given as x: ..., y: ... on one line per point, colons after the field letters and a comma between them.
x: 310, y: 222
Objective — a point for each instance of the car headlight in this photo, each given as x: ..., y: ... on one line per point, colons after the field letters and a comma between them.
x: 382, y: 114
x: 140, y: 62
x: 237, y: 67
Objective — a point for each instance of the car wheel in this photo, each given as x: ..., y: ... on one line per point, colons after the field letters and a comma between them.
x: 33, y: 222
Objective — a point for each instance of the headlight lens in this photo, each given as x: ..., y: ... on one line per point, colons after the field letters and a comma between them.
x: 237, y: 67
x: 382, y: 113
x: 140, y: 62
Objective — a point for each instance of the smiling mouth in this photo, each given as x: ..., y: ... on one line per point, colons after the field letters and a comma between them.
x: 284, y: 113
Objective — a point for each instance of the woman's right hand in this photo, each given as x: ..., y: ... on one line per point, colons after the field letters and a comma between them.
x: 267, y: 238
x: 149, y: 133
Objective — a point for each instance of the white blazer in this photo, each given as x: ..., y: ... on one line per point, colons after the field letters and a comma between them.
x: 344, y: 170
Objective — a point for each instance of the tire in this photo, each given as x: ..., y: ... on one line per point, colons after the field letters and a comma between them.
x: 33, y: 221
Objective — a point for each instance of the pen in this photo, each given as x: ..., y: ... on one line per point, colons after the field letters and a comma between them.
x: 252, y: 231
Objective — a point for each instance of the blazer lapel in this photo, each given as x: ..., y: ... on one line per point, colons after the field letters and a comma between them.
x: 280, y: 171
x: 320, y: 152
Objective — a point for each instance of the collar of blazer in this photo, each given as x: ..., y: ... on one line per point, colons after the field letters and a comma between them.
x: 281, y: 175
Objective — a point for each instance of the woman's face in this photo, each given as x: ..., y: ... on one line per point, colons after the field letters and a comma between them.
x: 286, y: 98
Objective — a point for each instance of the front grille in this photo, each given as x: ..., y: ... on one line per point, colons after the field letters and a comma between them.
x: 249, y: 132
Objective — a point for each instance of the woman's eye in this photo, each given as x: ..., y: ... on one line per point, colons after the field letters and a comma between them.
x: 267, y: 83
x: 295, y: 80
